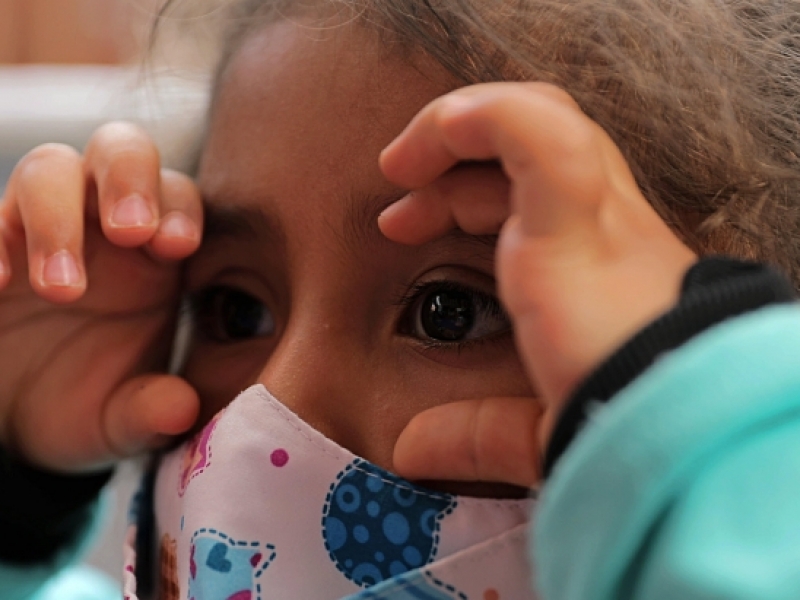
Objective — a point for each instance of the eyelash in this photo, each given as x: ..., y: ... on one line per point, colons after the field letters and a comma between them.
x: 484, y: 302
x: 196, y: 304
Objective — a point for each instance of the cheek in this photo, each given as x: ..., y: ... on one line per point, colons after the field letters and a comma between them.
x: 360, y: 397
x: 409, y: 386
x: 499, y: 378
x: 219, y: 374
x: 490, y: 368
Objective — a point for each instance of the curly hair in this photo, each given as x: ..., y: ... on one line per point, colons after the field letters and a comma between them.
x: 701, y: 96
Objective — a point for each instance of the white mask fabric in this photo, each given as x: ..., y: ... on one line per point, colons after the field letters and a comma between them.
x: 259, y: 506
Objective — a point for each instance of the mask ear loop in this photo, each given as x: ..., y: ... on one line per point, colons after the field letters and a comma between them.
x: 143, y: 515
x: 143, y: 505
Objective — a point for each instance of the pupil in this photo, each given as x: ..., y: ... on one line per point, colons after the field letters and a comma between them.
x: 241, y: 315
x: 448, y: 316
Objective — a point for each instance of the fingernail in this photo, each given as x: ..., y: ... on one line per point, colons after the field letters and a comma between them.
x: 61, y: 270
x: 131, y: 211
x: 178, y: 225
x: 395, y: 206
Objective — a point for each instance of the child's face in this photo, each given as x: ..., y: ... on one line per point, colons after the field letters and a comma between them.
x: 295, y: 286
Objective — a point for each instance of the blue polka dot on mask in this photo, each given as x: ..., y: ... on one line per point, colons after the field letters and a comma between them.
x: 377, y: 526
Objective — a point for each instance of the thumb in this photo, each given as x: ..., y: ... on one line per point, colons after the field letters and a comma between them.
x: 492, y: 439
x: 146, y: 412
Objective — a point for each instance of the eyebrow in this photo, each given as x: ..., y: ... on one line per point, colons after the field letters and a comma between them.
x: 360, y: 225
x: 225, y: 219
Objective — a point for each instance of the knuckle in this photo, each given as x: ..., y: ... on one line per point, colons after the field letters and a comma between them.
x: 44, y: 156
x: 179, y: 187
x: 580, y: 134
x: 42, y: 161
x: 580, y: 139
x: 177, y: 182
x: 121, y: 139
x: 553, y: 92
x: 117, y: 131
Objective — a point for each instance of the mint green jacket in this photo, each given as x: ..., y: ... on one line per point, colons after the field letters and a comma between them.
x: 62, y: 578
x: 686, y: 486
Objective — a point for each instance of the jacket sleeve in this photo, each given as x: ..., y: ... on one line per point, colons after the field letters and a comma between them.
x: 46, y: 521
x: 60, y: 577
x: 687, y: 484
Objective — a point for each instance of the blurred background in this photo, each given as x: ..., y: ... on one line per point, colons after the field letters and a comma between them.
x: 67, y: 66
x: 100, y: 31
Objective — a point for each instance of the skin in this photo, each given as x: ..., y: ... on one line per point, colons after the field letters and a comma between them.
x: 288, y: 141
x: 82, y: 380
x: 298, y: 140
x: 583, y: 261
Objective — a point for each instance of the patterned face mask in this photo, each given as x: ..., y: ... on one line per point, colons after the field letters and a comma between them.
x: 259, y: 506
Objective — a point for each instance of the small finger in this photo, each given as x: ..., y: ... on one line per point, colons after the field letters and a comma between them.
x: 493, y: 439
x: 180, y: 229
x: 125, y: 165
x: 550, y: 150
x: 45, y: 203
x: 6, y: 268
x: 146, y: 412
x: 472, y: 197
x: 421, y: 152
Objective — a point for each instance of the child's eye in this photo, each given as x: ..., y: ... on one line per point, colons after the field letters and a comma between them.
x: 444, y: 312
x: 226, y: 314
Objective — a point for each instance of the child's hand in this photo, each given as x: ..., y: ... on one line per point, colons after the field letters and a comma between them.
x: 583, y: 261
x: 89, y: 290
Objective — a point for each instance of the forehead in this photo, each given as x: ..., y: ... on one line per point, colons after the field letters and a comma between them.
x: 304, y: 104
